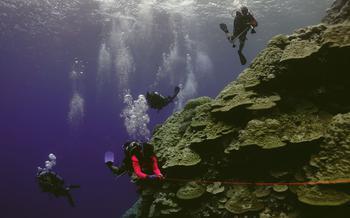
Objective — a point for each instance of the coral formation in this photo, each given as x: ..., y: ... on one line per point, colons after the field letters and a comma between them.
x: 190, y: 191
x: 215, y: 188
x: 318, y: 196
x: 286, y: 118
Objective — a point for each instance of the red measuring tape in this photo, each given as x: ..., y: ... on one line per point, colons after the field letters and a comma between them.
x: 232, y: 182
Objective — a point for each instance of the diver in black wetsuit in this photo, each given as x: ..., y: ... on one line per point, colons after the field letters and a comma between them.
x: 241, y: 25
x: 52, y: 183
x: 157, y: 101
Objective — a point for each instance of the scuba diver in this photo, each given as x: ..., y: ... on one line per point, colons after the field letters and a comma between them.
x: 51, y: 182
x: 139, y: 158
x: 140, y: 162
x: 157, y: 101
x: 242, y: 23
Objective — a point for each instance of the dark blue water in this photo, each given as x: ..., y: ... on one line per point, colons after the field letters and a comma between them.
x: 49, y: 106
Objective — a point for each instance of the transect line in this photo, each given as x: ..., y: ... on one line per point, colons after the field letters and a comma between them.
x: 232, y: 182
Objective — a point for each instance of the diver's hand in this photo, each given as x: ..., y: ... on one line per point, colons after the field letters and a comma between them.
x: 160, y: 176
x: 109, y: 164
x: 152, y: 177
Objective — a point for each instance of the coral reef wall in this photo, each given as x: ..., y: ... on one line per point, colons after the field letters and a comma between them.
x: 286, y: 119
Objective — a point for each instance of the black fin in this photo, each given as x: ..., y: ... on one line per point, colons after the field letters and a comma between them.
x: 242, y: 58
x: 74, y: 186
x: 223, y: 27
x: 70, y: 200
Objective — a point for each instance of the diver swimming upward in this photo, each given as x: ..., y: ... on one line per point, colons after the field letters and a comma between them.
x: 243, y: 21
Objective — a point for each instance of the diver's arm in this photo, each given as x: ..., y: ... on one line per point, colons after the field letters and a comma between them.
x: 235, y: 24
x: 116, y: 170
x: 156, y: 169
x: 137, y: 168
x: 253, y: 21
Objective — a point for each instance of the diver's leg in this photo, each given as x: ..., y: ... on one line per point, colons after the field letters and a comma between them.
x: 242, y: 58
x: 235, y: 34
x: 70, y: 199
x: 146, y: 203
x: 242, y: 39
x: 146, y: 192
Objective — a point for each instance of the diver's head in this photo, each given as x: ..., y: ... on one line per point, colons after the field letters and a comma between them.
x: 139, y: 148
x: 133, y: 147
x: 147, y: 149
x: 244, y: 10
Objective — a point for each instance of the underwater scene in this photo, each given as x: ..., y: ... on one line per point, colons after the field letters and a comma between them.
x: 175, y: 108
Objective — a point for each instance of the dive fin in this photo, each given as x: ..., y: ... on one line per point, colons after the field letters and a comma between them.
x: 242, y: 58
x: 74, y: 186
x: 70, y: 200
x: 223, y: 27
x: 176, y: 91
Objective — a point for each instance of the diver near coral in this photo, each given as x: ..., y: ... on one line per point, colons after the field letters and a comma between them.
x: 139, y: 158
x: 141, y: 162
x: 157, y: 101
x: 51, y: 182
x: 242, y: 23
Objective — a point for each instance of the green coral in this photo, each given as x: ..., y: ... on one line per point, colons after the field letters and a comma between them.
x: 192, y: 126
x: 275, y: 131
x: 321, y: 196
x: 263, y: 103
x: 205, y: 128
x: 184, y: 157
x: 288, y: 95
x: 246, y: 99
x: 299, y: 48
x: 242, y: 200
x: 190, y: 191
x: 167, y: 141
x: 239, y: 205
x: 192, y: 104
x: 280, y: 188
x: 337, y: 36
x: 241, y: 100
x: 262, y: 191
x: 164, y: 204
x: 215, y: 188
x: 333, y: 161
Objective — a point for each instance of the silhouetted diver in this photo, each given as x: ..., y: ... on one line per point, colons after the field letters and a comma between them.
x: 158, y: 101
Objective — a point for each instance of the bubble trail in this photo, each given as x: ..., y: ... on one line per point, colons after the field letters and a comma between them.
x: 135, y: 117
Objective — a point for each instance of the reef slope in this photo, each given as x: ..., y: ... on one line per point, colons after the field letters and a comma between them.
x: 285, y: 119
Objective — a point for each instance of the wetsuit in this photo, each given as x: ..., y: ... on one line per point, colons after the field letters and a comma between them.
x: 157, y: 101
x: 147, y: 171
x: 241, y: 26
x: 52, y: 183
x: 144, y: 167
x: 143, y: 164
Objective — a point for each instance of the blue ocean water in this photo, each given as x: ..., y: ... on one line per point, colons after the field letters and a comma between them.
x: 65, y: 67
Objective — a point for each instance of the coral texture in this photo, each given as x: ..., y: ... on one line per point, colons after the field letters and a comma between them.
x: 286, y: 118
